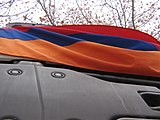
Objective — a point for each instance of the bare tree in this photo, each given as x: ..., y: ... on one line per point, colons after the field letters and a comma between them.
x: 133, y: 21
x: 12, y: 9
x: 49, y: 7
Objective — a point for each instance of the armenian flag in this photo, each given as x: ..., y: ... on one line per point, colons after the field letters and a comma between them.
x: 94, y: 47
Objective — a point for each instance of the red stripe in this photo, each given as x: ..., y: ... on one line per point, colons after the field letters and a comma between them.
x: 104, y: 30
x: 96, y: 29
x: 64, y: 31
x: 113, y: 31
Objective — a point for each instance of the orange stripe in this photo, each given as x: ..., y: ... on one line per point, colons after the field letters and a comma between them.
x: 86, y: 55
x: 120, y: 60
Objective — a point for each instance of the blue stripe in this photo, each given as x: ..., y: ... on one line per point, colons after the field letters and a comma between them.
x: 53, y: 37
x: 15, y: 34
x: 117, y: 41
x: 37, y: 33
x: 64, y: 40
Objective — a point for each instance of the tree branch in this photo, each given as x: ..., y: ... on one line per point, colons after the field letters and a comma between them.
x: 45, y: 10
x: 123, y: 12
x: 119, y: 17
x: 144, y: 12
x: 133, y: 22
x: 88, y: 21
x: 18, y: 13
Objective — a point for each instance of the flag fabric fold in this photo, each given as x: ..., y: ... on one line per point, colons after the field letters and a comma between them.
x: 102, y: 48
